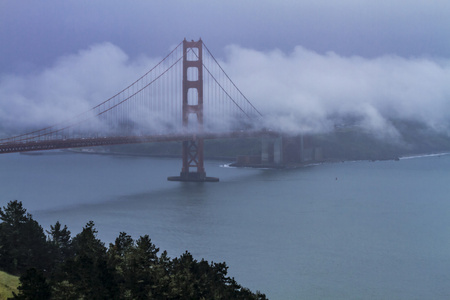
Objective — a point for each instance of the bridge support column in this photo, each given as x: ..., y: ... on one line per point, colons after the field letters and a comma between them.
x: 265, y: 149
x: 278, y: 151
x: 272, y: 151
x: 193, y: 149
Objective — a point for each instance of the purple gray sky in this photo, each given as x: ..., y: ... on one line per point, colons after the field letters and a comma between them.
x: 374, y: 59
x: 35, y: 33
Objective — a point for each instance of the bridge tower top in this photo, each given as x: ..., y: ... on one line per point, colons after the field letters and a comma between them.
x: 193, y: 64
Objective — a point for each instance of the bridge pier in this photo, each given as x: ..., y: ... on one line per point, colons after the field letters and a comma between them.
x: 193, y: 158
x: 193, y: 149
x: 288, y: 151
x: 272, y: 151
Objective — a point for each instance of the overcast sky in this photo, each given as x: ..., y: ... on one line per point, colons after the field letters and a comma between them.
x: 395, y: 45
x: 35, y: 33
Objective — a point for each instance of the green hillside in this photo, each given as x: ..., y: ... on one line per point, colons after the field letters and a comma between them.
x: 8, y: 284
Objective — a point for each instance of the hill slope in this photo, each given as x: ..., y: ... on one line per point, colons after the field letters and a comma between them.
x: 8, y: 284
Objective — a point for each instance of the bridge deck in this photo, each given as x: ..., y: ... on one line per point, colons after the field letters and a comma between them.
x: 12, y: 147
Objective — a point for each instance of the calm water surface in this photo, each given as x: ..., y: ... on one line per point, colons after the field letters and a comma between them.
x: 354, y: 230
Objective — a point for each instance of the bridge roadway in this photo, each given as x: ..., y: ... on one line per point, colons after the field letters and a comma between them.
x: 52, y: 144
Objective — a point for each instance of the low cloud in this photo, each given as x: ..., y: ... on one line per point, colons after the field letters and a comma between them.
x: 304, y: 91
x: 73, y: 85
x: 297, y: 92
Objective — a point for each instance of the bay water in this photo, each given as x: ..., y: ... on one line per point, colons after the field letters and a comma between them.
x: 350, y: 230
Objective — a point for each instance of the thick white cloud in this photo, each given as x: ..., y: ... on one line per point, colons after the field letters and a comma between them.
x: 73, y: 85
x: 307, y: 91
x: 300, y: 91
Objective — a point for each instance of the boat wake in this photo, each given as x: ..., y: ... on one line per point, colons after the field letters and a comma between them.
x: 425, y: 155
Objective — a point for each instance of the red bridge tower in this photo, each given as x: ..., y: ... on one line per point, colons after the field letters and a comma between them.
x: 193, y: 105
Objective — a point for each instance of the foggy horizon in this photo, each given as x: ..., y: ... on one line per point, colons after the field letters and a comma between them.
x: 300, y: 91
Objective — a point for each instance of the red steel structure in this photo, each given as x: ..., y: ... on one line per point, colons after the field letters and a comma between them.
x: 192, y: 154
x: 167, y: 103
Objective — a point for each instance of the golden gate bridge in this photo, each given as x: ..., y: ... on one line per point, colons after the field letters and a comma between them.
x: 186, y: 97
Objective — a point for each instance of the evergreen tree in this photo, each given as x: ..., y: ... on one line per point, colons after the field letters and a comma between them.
x: 33, y: 286
x: 82, y: 268
x: 22, y: 239
x: 118, y: 259
x: 200, y: 280
x: 88, y: 271
x: 141, y: 277
x: 61, y: 243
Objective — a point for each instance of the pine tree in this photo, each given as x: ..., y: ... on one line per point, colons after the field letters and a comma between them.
x: 88, y: 271
x: 22, y: 239
x: 33, y: 285
x: 61, y: 243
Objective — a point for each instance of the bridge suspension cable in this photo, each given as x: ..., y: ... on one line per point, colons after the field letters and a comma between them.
x: 234, y: 85
x: 152, y: 106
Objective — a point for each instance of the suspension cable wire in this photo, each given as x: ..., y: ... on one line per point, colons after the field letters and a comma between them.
x: 223, y: 89
x: 114, y: 115
x: 107, y: 110
x: 35, y: 132
x: 231, y: 80
x: 151, y: 82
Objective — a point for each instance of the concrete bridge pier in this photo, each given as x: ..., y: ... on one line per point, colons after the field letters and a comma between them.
x: 272, y: 151
x: 286, y: 150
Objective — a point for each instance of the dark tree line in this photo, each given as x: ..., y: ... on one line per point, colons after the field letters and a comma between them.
x: 57, y: 266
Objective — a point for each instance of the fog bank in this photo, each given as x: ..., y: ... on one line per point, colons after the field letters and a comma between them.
x: 297, y: 92
x: 304, y: 91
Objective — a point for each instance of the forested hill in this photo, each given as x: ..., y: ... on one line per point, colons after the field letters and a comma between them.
x: 57, y: 266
